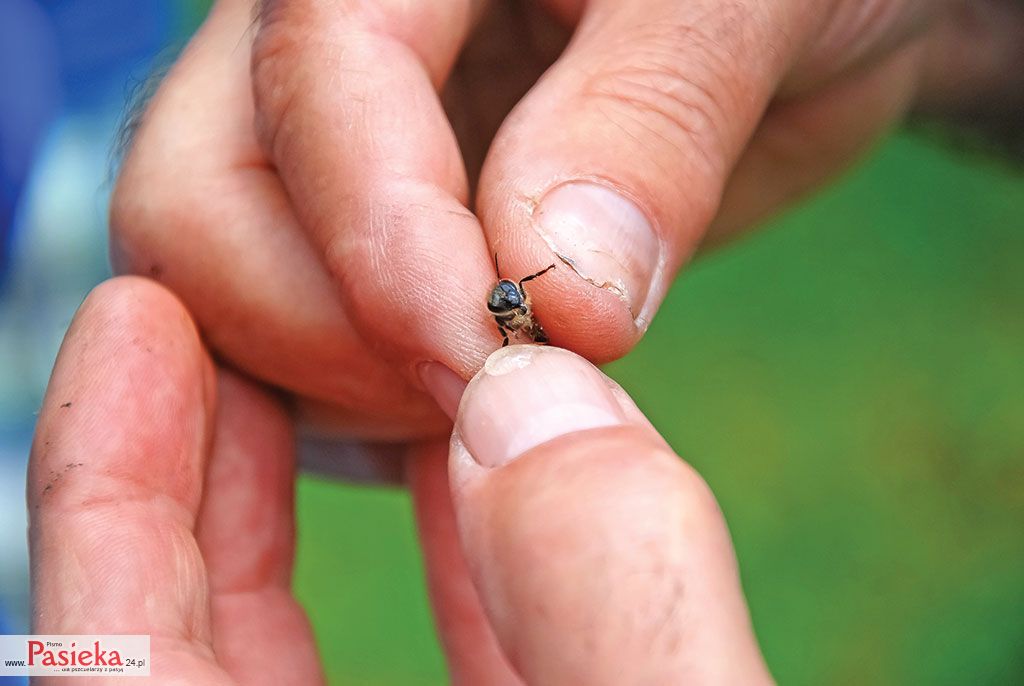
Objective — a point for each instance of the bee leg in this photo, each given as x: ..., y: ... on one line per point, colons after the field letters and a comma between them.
x: 503, y: 332
x: 531, y: 277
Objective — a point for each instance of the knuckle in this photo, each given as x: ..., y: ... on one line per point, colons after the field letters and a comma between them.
x: 667, y: 80
x: 302, y: 45
x: 153, y: 208
x: 699, y: 504
x: 297, y: 44
x: 661, y: 100
x: 293, y: 57
x: 855, y: 30
x: 675, y: 88
x: 136, y: 203
x: 277, y: 76
x: 133, y: 208
x: 156, y: 197
x: 668, y: 488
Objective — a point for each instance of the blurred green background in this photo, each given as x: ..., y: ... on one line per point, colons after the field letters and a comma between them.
x: 848, y: 380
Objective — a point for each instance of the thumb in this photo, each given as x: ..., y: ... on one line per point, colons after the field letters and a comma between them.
x: 599, y: 556
x: 616, y: 160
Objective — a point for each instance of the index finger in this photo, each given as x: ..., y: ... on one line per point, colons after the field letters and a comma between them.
x: 348, y: 111
x: 115, y: 479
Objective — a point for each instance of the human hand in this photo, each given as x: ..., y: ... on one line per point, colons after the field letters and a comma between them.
x: 329, y: 250
x: 160, y: 501
x: 596, y: 555
x: 160, y: 495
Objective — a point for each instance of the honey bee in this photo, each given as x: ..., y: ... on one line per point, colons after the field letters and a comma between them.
x: 510, y: 305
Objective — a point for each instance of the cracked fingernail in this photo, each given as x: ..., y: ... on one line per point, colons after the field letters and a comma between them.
x: 603, y: 236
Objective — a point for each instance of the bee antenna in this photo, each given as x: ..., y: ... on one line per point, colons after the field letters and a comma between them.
x: 496, y: 270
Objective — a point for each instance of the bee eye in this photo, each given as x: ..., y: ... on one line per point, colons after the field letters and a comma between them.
x: 504, y: 298
x: 498, y: 302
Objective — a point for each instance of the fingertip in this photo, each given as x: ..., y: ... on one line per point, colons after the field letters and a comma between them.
x: 588, y: 318
x: 125, y: 307
x: 610, y: 264
x: 575, y: 314
x: 130, y: 320
x: 135, y: 298
x: 416, y: 285
x: 526, y: 395
x: 131, y: 369
x: 161, y: 324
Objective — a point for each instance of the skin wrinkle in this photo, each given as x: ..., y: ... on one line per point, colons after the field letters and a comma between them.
x: 665, y: 80
x: 272, y: 102
x: 181, y: 571
x: 656, y: 619
x: 684, y: 119
x: 671, y: 92
x: 387, y: 23
x: 855, y: 34
x: 455, y: 174
x: 606, y: 109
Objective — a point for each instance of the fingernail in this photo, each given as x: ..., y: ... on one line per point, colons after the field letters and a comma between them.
x: 444, y: 385
x: 603, y: 236
x: 527, y: 395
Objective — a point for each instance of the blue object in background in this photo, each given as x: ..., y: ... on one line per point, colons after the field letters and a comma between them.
x: 70, y: 57
x: 103, y: 43
x: 66, y: 68
x: 28, y: 101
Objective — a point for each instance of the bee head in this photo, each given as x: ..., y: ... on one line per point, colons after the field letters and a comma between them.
x: 504, y: 298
